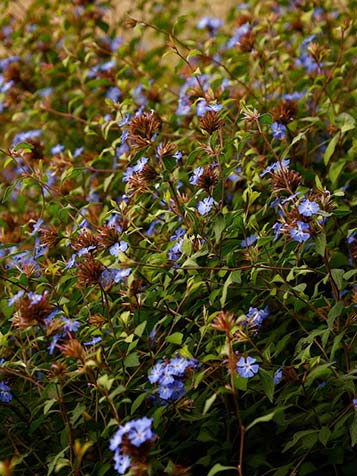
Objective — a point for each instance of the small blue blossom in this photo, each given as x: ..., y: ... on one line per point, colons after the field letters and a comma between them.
x: 284, y: 164
x: 278, y: 130
x: 248, y: 241
x: 122, y: 463
x: 113, y: 94
x: 308, y: 208
x: 301, y: 232
x: 57, y: 149
x: 277, y: 230
x: 24, y: 136
x: 255, y: 317
x: 238, y: 33
x: 5, y: 393
x: 174, y: 252
x: 118, y: 248
x: 246, y: 367
x: 93, y: 341
x: 210, y: 24
x: 278, y: 375
x: 69, y: 325
x: 16, y: 297
x: 77, y: 152
x: 205, y: 205
x: 196, y: 175
x: 137, y: 432
x: 169, y: 375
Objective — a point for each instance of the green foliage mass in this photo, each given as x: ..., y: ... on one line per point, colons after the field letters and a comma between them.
x: 178, y: 189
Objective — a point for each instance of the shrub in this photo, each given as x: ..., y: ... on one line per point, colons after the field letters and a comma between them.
x: 178, y: 243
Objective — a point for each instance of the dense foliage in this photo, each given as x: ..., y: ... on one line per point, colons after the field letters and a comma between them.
x: 178, y: 244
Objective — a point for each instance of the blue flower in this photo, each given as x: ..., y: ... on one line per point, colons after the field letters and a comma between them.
x: 249, y: 241
x: 113, y: 94
x: 140, y: 431
x: 205, y: 206
x: 118, y: 248
x: 16, y: 297
x: 211, y: 24
x: 308, y: 208
x: 5, y: 393
x: 300, y: 233
x: 196, y: 175
x: 57, y: 149
x: 284, y: 164
x: 93, y: 341
x: 238, y: 33
x: 278, y: 375
x: 137, y: 432
x: 246, y: 367
x: 122, y: 463
x: 278, y: 130
x: 24, y: 136
x: 174, y: 252
x: 255, y: 317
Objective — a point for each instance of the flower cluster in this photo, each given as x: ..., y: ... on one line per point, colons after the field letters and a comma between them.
x: 130, y: 442
x: 169, y: 375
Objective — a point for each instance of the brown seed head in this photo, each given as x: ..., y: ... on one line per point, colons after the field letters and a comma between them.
x: 211, y: 122
x: 208, y: 179
x: 85, y: 239
x: 285, y: 112
x: 49, y: 236
x: 224, y: 321
x: 143, y: 127
x: 285, y: 180
x: 73, y: 348
x: 108, y: 236
x: 32, y: 312
x: 89, y: 271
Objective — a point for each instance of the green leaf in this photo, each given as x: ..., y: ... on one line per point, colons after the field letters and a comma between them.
x: 208, y: 403
x: 48, y: 405
x: 320, y: 244
x: 268, y: 383
x: 335, y: 170
x: 140, y: 329
x: 217, y: 468
x: 266, y: 119
x: 353, y: 430
x: 265, y: 418
x: 337, y: 276
x: 137, y: 402
x: 331, y: 148
x: 175, y: 338
x: 283, y: 471
x: 132, y: 360
x: 324, y: 435
x: 219, y: 226
x: 334, y: 312
x: 105, y: 382
x: 300, y: 435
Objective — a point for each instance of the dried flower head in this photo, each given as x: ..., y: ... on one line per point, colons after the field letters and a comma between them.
x: 107, y: 236
x: 207, y: 179
x: 32, y: 310
x: 49, y: 236
x: 211, y: 122
x: 73, y: 348
x: 89, y: 271
x: 97, y: 320
x: 284, y: 179
x: 85, y: 239
x: 224, y: 321
x: 284, y: 112
x: 143, y: 127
